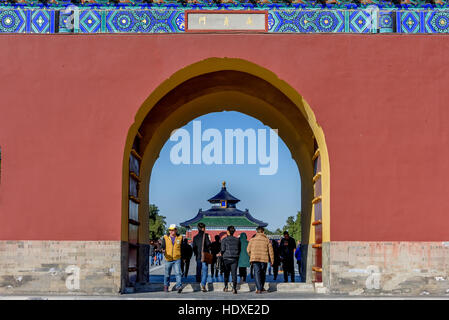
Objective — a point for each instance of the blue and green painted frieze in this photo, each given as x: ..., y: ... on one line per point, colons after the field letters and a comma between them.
x: 64, y: 17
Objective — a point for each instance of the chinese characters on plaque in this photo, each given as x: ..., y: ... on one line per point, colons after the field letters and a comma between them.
x: 226, y: 21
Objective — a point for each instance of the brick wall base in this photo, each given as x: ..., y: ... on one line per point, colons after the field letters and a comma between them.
x: 28, y: 267
x: 403, y: 268
x: 355, y: 268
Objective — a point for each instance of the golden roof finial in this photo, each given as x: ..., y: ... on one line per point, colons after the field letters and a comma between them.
x: 224, y: 184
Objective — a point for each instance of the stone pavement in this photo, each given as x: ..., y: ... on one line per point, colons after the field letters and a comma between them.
x: 157, y: 275
x: 277, y: 291
x: 218, y: 296
x: 216, y: 284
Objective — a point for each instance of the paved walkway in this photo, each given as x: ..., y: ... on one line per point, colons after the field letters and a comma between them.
x: 219, y: 296
x: 157, y: 275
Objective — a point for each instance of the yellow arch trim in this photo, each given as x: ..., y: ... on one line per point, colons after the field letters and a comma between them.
x: 220, y: 64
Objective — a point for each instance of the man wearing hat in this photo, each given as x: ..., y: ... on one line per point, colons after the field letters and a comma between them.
x: 171, y: 246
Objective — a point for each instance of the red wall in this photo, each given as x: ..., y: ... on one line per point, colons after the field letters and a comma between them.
x: 67, y: 103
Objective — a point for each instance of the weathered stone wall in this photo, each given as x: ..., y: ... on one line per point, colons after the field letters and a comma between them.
x: 51, y: 267
x: 405, y: 268
x: 399, y: 268
x: 307, y: 262
x: 309, y: 259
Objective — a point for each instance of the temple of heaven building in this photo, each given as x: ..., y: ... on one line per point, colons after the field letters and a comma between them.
x: 222, y: 214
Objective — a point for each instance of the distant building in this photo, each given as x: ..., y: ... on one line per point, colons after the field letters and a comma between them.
x: 222, y: 214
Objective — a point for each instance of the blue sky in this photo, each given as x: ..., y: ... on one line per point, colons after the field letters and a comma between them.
x: 180, y: 190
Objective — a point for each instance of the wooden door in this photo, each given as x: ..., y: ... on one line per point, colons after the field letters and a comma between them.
x: 135, y: 160
x: 317, y: 210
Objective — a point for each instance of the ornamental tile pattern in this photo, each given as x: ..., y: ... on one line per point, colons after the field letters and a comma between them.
x: 169, y: 17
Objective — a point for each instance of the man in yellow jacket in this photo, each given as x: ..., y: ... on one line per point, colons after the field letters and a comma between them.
x: 171, y: 246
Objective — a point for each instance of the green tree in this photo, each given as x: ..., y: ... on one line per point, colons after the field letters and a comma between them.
x: 293, y: 226
x: 182, y: 230
x: 275, y: 232
x: 298, y: 231
x: 157, y: 225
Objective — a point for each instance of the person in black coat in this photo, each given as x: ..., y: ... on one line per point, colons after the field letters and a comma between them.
x: 151, y: 252
x: 215, y: 249
x: 287, y: 249
x: 230, y: 251
x: 276, y: 262
x: 201, y: 267
x: 186, y: 255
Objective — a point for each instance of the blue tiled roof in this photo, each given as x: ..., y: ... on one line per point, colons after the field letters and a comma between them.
x: 223, y: 195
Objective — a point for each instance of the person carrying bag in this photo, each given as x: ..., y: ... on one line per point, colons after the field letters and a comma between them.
x: 207, y: 257
x: 201, y: 245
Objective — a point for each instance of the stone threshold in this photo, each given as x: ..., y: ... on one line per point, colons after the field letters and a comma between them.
x: 299, y: 287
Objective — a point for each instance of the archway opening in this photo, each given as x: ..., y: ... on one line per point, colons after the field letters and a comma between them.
x: 216, y: 85
x: 262, y: 184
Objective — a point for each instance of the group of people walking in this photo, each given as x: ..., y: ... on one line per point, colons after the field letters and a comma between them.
x: 285, y: 253
x: 156, y: 255
x: 227, y: 256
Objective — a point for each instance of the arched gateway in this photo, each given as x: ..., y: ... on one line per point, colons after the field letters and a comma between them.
x: 76, y: 109
x: 214, y: 85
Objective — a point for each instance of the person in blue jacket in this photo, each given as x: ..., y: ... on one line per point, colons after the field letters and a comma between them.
x: 298, y: 257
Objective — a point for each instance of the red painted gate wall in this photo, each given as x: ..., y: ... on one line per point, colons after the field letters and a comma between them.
x: 67, y: 103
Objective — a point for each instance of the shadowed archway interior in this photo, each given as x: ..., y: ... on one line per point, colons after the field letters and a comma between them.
x: 216, y: 85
